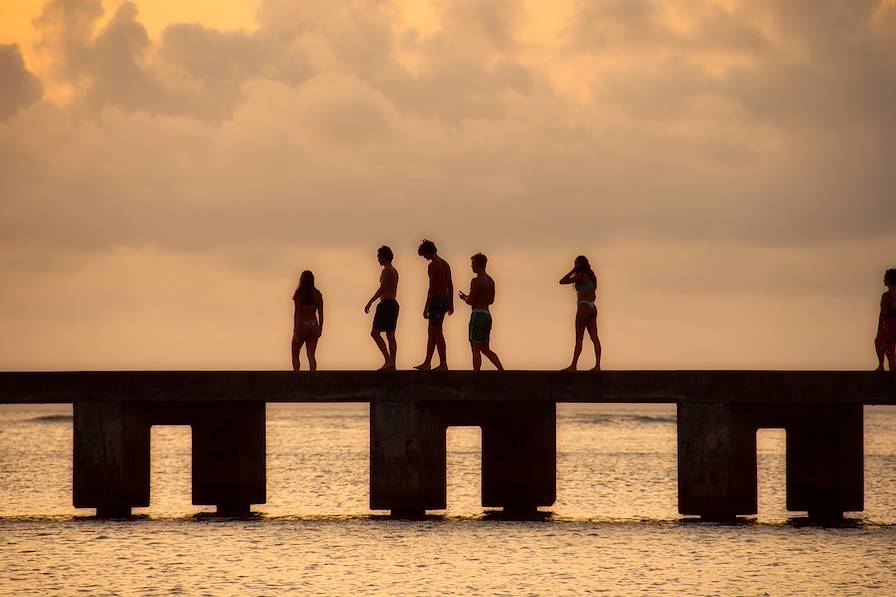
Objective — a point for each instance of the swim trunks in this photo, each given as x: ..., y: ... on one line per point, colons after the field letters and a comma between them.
x: 386, y: 317
x: 480, y: 325
x: 438, y: 306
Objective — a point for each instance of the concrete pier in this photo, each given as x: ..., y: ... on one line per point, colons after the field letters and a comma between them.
x: 408, y: 460
x: 719, y: 413
x: 717, y: 457
x: 111, y: 454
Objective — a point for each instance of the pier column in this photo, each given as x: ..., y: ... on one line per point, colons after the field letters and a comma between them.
x: 407, y: 458
x: 229, y: 456
x: 716, y: 461
x: 825, y: 465
x: 111, y: 458
x: 519, y: 457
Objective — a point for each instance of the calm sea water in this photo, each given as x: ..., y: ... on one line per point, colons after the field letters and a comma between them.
x: 614, y: 529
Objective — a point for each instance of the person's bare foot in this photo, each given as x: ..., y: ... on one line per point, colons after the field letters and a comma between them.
x: 441, y: 367
x: 596, y: 368
x: 880, y: 367
x: 387, y: 367
x: 570, y: 368
x: 423, y: 367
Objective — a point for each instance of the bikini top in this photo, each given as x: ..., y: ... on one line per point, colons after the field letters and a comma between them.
x: 586, y: 286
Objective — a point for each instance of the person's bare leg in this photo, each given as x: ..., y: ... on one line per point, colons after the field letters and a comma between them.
x: 296, y: 348
x: 592, y: 331
x: 891, y: 357
x: 440, y: 347
x: 393, y: 347
x: 492, y: 356
x: 381, y: 344
x: 426, y: 365
x: 880, y: 349
x: 477, y: 356
x: 580, y: 334
x: 312, y: 348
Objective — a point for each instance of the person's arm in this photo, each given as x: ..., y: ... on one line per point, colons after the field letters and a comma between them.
x: 570, y: 278
x: 320, y: 312
x: 469, y: 298
x: 376, y: 295
x: 450, y: 290
x: 428, y: 292
x: 884, y: 299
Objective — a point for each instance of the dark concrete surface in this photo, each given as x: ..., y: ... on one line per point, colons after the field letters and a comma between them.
x: 458, y: 386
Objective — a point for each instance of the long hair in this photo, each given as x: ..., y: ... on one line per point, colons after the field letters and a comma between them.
x: 305, y: 294
x: 890, y: 276
x: 583, y: 267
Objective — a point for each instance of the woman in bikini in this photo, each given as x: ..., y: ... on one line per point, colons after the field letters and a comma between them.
x: 585, y: 282
x: 885, y: 342
x: 308, y: 322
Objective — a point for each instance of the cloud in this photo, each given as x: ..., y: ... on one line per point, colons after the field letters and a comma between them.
x: 726, y: 124
x: 20, y: 87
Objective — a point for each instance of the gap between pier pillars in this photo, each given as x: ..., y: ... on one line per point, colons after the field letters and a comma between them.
x: 717, y: 457
x: 408, y: 464
x: 111, y: 465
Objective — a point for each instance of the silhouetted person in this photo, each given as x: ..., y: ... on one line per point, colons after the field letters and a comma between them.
x: 308, y: 322
x: 885, y: 342
x: 439, y: 302
x: 482, y: 294
x: 385, y: 318
x: 585, y: 282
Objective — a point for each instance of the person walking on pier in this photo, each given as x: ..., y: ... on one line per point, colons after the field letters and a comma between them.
x: 885, y: 342
x: 585, y: 281
x: 308, y: 321
x: 482, y: 294
x: 385, y: 318
x: 439, y: 302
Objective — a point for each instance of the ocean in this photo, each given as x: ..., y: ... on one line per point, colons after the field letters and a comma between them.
x: 614, y: 529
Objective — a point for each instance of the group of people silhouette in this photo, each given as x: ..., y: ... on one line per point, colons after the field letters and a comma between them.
x: 309, y: 311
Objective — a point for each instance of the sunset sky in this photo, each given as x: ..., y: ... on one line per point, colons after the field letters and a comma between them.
x: 168, y: 167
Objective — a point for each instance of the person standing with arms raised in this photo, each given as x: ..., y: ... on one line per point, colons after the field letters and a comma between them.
x: 439, y: 302
x: 385, y: 318
x: 482, y: 294
x: 585, y: 281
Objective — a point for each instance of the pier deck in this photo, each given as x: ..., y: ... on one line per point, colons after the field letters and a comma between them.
x: 718, y: 415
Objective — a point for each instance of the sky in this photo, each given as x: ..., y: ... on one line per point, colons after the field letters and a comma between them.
x: 168, y: 168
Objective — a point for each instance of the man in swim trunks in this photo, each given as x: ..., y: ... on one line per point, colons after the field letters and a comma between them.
x: 385, y: 319
x: 482, y: 294
x: 439, y: 302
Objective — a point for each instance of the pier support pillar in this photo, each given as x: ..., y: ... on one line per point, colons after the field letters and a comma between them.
x: 519, y: 458
x: 407, y: 458
x: 825, y: 463
x: 229, y: 456
x: 716, y: 461
x: 111, y: 458
x: 111, y: 453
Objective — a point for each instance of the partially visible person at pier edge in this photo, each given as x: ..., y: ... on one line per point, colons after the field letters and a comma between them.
x: 885, y: 342
x: 385, y: 318
x: 482, y: 294
x: 308, y: 322
x: 439, y: 302
x: 585, y: 281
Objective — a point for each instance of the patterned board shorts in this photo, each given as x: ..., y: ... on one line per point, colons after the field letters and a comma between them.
x: 386, y: 317
x: 480, y: 325
x: 438, y: 306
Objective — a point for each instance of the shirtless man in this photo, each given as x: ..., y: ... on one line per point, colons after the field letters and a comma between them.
x: 482, y: 294
x: 439, y: 301
x: 385, y: 319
